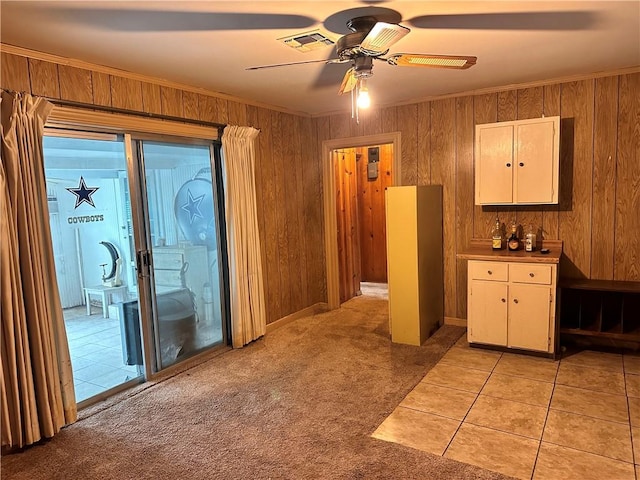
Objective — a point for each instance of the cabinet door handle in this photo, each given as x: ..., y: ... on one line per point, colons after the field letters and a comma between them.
x: 531, y: 275
x: 508, y: 164
x: 503, y: 300
x: 521, y: 164
x: 489, y: 272
x: 515, y: 300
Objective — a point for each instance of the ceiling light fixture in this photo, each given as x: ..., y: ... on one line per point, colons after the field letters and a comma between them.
x: 363, y: 100
x: 359, y: 98
x: 355, y: 80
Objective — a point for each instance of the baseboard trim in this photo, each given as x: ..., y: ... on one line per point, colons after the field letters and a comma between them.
x: 305, y: 312
x: 458, y: 322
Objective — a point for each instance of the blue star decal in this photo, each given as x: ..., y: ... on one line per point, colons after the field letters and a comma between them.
x: 193, y: 207
x: 83, y: 193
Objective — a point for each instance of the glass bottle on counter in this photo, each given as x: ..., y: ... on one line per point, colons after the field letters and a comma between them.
x: 530, y: 239
x: 513, y: 243
x: 496, y: 236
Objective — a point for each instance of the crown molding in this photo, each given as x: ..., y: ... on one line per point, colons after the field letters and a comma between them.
x: 513, y: 86
x: 72, y: 62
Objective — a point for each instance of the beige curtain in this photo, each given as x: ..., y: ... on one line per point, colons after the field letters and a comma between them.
x: 248, y: 315
x: 37, y: 385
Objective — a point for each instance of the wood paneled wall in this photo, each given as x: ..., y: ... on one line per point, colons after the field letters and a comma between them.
x: 288, y: 169
x: 598, y: 215
x: 371, y: 213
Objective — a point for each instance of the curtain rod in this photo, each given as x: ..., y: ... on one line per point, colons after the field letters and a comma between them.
x: 104, y: 108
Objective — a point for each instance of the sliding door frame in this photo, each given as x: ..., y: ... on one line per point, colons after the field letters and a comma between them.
x: 139, y: 128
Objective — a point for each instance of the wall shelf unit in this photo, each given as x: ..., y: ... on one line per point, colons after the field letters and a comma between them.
x: 600, y: 308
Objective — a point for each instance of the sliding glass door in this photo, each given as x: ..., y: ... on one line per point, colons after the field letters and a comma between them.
x: 181, y: 247
x: 139, y: 257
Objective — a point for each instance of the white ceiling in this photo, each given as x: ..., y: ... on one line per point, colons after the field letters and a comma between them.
x: 193, y: 43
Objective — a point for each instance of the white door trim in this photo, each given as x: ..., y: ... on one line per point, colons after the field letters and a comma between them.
x: 329, y: 199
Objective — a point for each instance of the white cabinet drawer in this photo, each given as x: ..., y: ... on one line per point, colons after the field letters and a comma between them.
x: 497, y: 271
x: 530, y: 273
x: 167, y: 261
x: 169, y: 278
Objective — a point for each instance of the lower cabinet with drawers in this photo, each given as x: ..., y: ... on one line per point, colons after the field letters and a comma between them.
x: 512, y: 304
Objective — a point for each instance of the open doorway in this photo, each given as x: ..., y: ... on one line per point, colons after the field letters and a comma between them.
x: 362, y: 176
x: 356, y: 173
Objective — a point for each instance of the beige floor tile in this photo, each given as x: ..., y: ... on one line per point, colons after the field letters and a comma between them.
x: 634, y: 411
x: 590, y: 403
x: 609, y: 439
x: 633, y: 385
x: 444, y: 401
x: 471, y: 358
x: 635, y: 439
x: 592, y: 359
x: 423, y: 431
x: 518, y: 389
x: 452, y: 376
x: 591, y: 379
x: 508, y: 416
x: 535, y: 368
x: 631, y: 363
x: 462, y: 342
x: 561, y: 463
x: 497, y: 451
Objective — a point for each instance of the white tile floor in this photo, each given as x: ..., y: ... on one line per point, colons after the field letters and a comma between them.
x: 96, y: 352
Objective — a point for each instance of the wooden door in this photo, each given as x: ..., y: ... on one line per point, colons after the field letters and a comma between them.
x: 487, y: 312
x: 529, y: 317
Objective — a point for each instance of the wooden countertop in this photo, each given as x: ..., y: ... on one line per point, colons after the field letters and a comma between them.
x: 480, y: 249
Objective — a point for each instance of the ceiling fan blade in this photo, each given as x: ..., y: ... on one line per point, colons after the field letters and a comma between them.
x: 561, y: 20
x: 348, y: 82
x: 174, y: 21
x: 382, y: 36
x: 434, y: 61
x: 331, y: 60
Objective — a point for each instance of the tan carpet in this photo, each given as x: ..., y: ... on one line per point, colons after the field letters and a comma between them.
x: 299, y: 404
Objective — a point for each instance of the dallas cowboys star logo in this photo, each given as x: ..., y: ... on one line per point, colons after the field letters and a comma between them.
x: 83, y: 194
x: 193, y: 207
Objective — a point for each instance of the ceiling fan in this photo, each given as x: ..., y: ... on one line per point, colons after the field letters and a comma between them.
x: 370, y: 40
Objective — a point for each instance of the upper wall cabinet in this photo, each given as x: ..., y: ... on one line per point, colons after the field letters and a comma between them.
x: 518, y: 162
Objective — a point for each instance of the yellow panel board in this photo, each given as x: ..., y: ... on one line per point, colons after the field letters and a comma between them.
x: 402, y: 264
x: 414, y: 262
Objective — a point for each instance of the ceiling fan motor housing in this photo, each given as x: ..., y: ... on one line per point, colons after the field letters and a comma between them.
x: 363, y: 67
x: 348, y: 46
x: 362, y: 24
